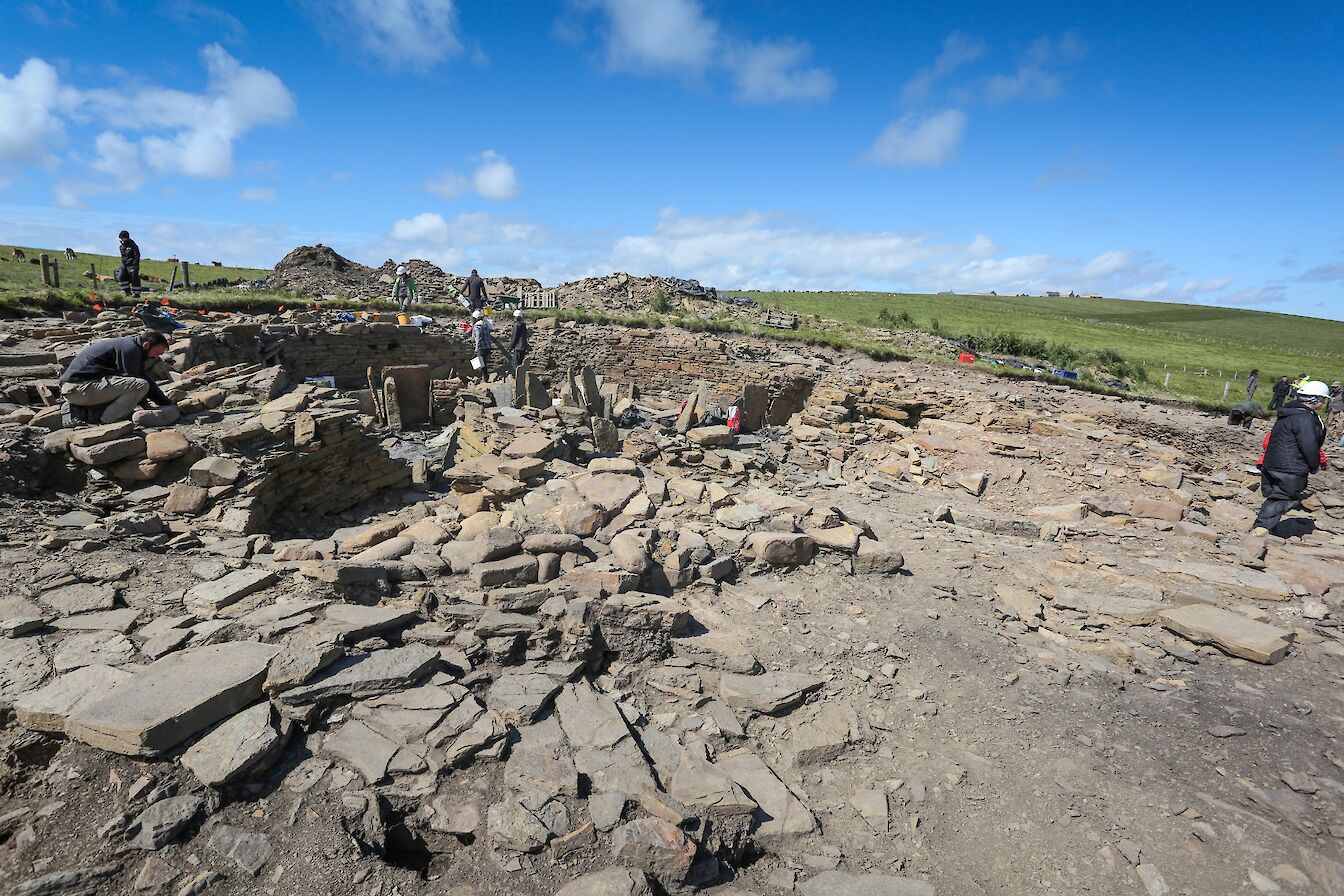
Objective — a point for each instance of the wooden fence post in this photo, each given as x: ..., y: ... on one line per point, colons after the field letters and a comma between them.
x: 45, y: 261
x: 56, y: 273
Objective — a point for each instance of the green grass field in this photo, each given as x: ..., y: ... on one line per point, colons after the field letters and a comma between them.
x: 23, y: 276
x: 1182, y: 340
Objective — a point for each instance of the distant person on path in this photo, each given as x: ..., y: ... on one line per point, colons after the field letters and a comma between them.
x: 1252, y: 382
x: 1281, y: 389
x: 1292, y: 452
x: 106, y: 381
x: 1301, y: 381
x: 518, y: 344
x: 477, y: 295
x: 403, y: 289
x: 482, y: 332
x: 128, y: 275
x: 1334, y: 414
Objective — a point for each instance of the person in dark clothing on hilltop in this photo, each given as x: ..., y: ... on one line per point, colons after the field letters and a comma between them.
x: 128, y: 275
x: 518, y: 344
x: 477, y: 295
x: 1252, y: 382
x: 1292, y: 452
x: 106, y: 381
x: 1281, y: 389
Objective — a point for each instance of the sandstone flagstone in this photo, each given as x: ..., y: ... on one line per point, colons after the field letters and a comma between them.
x: 174, y: 698
x: 1228, y: 631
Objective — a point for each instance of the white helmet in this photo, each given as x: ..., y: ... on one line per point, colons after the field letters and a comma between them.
x: 476, y: 315
x: 1315, y: 389
x: 518, y: 314
x: 401, y: 269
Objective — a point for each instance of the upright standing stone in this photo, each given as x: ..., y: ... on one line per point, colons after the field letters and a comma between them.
x: 412, y: 391
x: 606, y: 437
x: 391, y: 404
x: 755, y: 403
x: 592, y: 393
x: 686, y: 419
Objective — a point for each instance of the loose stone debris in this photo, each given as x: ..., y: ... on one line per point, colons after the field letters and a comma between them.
x: 909, y: 631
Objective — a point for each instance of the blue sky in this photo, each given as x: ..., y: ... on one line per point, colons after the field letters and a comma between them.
x: 1184, y: 152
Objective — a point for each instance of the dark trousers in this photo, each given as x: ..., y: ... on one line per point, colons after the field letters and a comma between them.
x: 1277, y: 401
x: 485, y: 363
x: 518, y: 355
x: 1283, y: 492
x: 129, y: 278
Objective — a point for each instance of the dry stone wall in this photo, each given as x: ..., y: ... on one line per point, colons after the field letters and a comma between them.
x: 659, y: 361
x: 345, y: 354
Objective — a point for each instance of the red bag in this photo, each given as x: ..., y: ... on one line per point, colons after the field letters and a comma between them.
x: 734, y: 419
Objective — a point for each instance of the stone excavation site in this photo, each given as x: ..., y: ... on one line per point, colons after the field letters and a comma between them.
x: 361, y: 623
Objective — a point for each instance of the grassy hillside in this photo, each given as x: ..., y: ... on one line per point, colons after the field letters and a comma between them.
x: 1183, y: 340
x: 1154, y: 339
x: 18, y: 276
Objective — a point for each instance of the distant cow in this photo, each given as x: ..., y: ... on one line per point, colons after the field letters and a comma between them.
x: 18, y: 253
x: 217, y: 264
x: 70, y: 254
x: 171, y: 260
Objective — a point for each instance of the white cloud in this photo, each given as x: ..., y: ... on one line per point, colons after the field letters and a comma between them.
x: 1194, y: 288
x: 1254, y: 296
x: 31, y: 107
x: 448, y: 184
x: 1331, y: 272
x: 402, y: 34
x: 657, y: 36
x: 770, y: 250
x: 474, y: 239
x: 1037, y: 74
x: 200, y: 16
x: 192, y: 134
x: 914, y: 140
x: 958, y: 50
x: 1107, y: 263
x: 776, y: 71
x: 494, y: 179
x: 258, y: 194
x: 678, y: 38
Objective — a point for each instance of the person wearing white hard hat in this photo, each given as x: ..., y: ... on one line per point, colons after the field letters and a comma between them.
x: 403, y: 289
x: 518, y: 344
x: 1292, y: 453
x: 482, y: 332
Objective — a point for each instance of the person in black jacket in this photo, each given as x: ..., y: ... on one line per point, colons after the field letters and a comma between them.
x: 477, y: 295
x: 128, y: 275
x: 109, y: 378
x: 1292, y: 452
x: 518, y: 345
x: 1281, y: 389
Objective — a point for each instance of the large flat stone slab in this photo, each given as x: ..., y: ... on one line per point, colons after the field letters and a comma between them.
x: 47, y: 708
x: 772, y: 693
x: 365, y: 676
x: 1239, y: 580
x: 209, y: 598
x: 235, y: 747
x: 174, y: 698
x: 1228, y: 631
